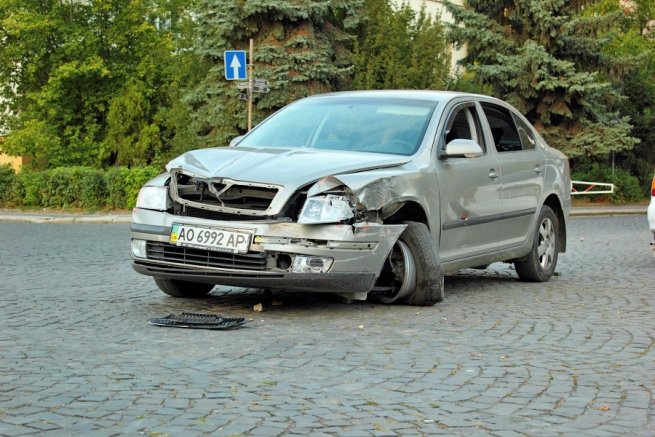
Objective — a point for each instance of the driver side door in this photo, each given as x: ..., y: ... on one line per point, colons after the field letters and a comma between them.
x: 469, y: 189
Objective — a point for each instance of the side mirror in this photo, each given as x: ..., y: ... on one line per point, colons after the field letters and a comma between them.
x: 236, y: 140
x: 461, y: 147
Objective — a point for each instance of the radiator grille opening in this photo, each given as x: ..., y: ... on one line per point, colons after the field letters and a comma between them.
x: 236, y: 196
x: 252, y: 261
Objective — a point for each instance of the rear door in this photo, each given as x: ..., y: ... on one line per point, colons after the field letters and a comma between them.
x: 522, y: 169
x: 469, y: 189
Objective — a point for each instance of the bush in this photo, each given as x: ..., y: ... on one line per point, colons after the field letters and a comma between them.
x: 626, y: 186
x: 74, y: 187
x: 115, y: 179
x: 10, y: 186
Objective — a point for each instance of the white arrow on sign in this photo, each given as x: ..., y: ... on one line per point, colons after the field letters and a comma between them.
x: 235, y: 65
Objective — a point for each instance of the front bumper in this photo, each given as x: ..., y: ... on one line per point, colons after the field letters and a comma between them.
x: 358, y: 251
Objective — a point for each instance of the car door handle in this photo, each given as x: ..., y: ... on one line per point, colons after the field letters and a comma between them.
x: 538, y: 169
x: 493, y: 174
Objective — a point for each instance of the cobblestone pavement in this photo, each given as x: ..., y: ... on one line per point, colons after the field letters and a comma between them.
x: 498, y: 357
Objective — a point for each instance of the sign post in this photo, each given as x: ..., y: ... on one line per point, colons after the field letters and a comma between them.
x: 250, y: 67
x: 235, y: 69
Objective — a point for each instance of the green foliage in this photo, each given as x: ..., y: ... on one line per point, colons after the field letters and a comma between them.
x: 115, y: 179
x: 10, y: 187
x: 626, y: 186
x: 91, y: 83
x: 400, y: 49
x: 74, y: 187
x: 547, y: 60
x: 301, y: 47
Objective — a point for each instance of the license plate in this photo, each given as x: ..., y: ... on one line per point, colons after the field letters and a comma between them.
x: 220, y: 240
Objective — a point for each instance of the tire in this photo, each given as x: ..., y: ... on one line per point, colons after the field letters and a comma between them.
x: 539, y: 267
x: 175, y: 288
x: 419, y: 281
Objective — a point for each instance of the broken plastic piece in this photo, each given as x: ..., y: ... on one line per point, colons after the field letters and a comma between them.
x: 198, y: 321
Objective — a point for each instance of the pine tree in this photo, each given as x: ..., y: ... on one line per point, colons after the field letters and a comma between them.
x: 400, y: 49
x: 301, y: 48
x: 547, y: 59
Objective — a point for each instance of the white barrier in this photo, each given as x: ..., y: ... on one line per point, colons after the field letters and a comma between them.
x: 591, y: 185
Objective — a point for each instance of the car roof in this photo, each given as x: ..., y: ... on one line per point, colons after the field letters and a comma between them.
x: 399, y: 94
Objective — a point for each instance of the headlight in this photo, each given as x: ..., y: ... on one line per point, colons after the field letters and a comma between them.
x: 153, y: 198
x: 325, y: 209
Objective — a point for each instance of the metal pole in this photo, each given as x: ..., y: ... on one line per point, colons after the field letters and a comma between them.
x: 612, y: 164
x: 250, y: 67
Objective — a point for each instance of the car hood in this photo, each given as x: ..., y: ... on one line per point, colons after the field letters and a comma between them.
x: 292, y: 168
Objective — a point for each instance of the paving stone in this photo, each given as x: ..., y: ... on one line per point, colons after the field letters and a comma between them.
x: 498, y: 355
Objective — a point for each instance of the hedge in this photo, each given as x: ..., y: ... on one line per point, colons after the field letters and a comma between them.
x: 73, y: 187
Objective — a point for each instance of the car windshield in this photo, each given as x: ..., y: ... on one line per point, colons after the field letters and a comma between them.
x: 379, y: 125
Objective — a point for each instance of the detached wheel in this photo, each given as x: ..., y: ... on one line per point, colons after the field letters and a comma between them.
x: 540, y: 264
x: 175, y: 288
x: 412, y: 272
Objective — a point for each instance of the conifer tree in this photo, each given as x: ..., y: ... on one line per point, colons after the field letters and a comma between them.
x: 300, y: 47
x: 546, y: 58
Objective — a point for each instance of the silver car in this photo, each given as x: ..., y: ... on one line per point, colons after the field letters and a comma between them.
x: 372, y: 193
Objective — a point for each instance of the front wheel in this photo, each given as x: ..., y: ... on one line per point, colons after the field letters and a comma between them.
x: 412, y: 272
x: 540, y: 264
x: 175, y: 288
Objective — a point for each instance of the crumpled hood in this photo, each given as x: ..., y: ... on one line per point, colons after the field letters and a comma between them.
x: 291, y: 167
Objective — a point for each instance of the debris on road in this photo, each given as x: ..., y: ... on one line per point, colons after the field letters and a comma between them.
x: 258, y: 308
x: 198, y: 321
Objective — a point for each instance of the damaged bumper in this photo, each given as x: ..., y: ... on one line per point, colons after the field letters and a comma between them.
x: 356, y: 253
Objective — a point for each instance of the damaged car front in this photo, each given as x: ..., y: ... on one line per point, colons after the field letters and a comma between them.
x: 307, y: 201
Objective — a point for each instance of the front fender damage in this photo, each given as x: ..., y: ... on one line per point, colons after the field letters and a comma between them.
x: 383, y: 195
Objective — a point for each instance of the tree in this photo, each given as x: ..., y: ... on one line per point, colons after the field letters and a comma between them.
x: 400, y: 49
x: 547, y: 60
x: 301, y: 47
x: 65, y: 65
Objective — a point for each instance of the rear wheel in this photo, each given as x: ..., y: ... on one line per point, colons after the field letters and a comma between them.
x: 175, y: 288
x: 412, y: 273
x: 540, y: 264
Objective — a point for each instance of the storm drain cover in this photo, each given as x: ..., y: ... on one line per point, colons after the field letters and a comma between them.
x: 198, y: 321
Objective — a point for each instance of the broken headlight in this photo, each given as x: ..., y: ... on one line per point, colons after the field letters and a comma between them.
x: 325, y: 209
x: 153, y: 198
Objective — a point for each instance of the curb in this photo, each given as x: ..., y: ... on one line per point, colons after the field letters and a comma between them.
x: 81, y: 219
x: 600, y: 211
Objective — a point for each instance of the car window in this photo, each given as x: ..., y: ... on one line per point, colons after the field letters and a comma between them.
x: 526, y: 135
x: 380, y: 125
x: 503, y: 129
x: 463, y: 124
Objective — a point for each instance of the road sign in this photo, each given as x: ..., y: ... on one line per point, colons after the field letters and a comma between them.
x: 243, y: 85
x: 235, y: 65
x: 259, y: 89
x: 244, y: 96
x: 262, y: 82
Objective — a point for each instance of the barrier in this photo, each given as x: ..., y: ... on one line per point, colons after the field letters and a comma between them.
x: 591, y: 190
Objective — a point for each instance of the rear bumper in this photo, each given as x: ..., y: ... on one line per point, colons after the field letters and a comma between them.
x: 651, y: 215
x: 316, y: 282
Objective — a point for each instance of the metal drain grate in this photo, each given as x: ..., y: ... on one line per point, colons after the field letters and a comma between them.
x: 198, y: 321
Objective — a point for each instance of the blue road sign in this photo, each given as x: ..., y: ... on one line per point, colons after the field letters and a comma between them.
x: 235, y: 65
